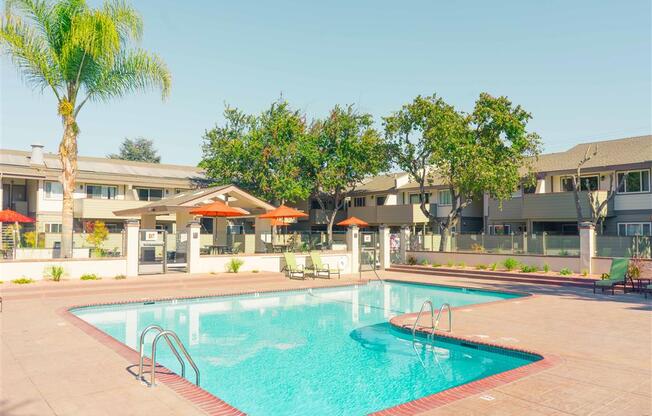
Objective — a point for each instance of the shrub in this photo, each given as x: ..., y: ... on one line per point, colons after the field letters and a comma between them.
x: 31, y: 240
x: 436, y: 264
x: 565, y: 271
x: 254, y: 271
x: 54, y: 272
x: 493, y: 266
x: 510, y: 263
x: 98, y: 234
x: 546, y: 267
x: 89, y: 276
x: 424, y: 262
x: 634, y: 268
x: 450, y: 264
x: 22, y: 281
x: 477, y: 248
x: 461, y: 264
x: 481, y: 267
x: 234, y: 265
x: 529, y: 269
x: 120, y: 277
x: 411, y: 261
x: 563, y: 253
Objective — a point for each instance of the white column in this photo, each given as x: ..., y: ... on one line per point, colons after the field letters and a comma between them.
x: 263, y: 230
x: 193, y: 245
x: 405, y: 241
x: 353, y: 246
x: 383, y: 239
x: 132, y: 236
x: 587, y: 246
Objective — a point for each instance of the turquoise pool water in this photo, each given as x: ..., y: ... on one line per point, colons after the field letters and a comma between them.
x: 324, y: 352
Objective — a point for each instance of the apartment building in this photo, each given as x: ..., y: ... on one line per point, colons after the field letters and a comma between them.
x: 30, y: 185
x: 549, y: 206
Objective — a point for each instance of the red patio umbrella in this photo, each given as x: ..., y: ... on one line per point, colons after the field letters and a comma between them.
x: 7, y: 215
x: 353, y: 221
x: 218, y: 209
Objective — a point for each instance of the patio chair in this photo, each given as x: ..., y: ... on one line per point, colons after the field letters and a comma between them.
x: 235, y: 247
x: 320, y: 269
x: 291, y: 268
x: 617, y: 276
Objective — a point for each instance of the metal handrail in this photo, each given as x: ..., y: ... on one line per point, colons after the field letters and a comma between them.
x: 450, y: 318
x: 175, y: 337
x: 142, y: 355
x: 432, y: 318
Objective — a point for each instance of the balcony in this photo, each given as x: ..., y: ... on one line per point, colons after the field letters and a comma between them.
x: 554, y: 206
x: 389, y: 214
x: 103, y: 208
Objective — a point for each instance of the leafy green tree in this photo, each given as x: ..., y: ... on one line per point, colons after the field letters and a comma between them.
x: 473, y: 154
x: 139, y: 150
x: 344, y: 149
x: 81, y: 54
x: 263, y: 154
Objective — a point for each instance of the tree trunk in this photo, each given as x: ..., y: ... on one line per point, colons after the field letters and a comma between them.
x: 68, y: 158
x: 329, y: 229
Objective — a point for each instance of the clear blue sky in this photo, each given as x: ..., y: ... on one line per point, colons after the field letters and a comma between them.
x: 583, y: 68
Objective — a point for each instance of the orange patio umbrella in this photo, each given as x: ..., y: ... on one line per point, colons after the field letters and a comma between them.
x: 353, y: 221
x: 218, y: 209
x: 7, y: 215
x: 279, y: 215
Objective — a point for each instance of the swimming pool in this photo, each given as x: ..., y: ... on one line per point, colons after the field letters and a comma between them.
x: 325, y: 351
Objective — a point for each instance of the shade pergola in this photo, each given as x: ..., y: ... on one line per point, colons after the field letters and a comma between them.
x: 218, y: 209
x: 353, y: 221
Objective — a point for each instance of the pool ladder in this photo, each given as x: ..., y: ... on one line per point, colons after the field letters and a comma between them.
x: 434, y: 321
x: 168, y: 336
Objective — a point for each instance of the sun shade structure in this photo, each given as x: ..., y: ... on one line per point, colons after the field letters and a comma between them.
x: 218, y: 209
x: 283, y: 212
x: 353, y: 221
x: 8, y: 215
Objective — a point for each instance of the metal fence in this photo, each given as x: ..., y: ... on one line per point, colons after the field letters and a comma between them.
x: 41, y: 245
x: 300, y: 241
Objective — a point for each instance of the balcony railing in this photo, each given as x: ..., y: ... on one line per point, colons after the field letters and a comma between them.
x: 103, y: 208
x: 546, y: 206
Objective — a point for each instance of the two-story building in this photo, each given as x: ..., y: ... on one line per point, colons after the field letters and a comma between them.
x: 30, y: 185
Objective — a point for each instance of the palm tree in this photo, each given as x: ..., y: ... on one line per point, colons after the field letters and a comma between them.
x: 82, y: 54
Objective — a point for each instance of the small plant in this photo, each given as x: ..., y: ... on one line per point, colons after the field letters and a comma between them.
x: 481, y: 266
x: 510, y: 263
x: 32, y: 240
x: 585, y: 272
x: 546, y: 267
x: 424, y: 262
x: 565, y: 271
x: 563, y: 253
x: 54, y: 272
x: 450, y: 264
x: 436, y: 264
x: 462, y: 264
x: 529, y: 269
x: 234, y: 265
x: 493, y: 266
x: 634, y: 268
x: 477, y: 248
x: 411, y: 261
x: 98, y: 234
x: 89, y: 276
x: 254, y: 271
x: 120, y: 277
x: 22, y: 281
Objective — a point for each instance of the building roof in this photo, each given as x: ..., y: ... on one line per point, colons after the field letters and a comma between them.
x: 17, y: 162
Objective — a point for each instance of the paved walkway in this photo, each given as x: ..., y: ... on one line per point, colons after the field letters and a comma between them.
x: 604, y: 346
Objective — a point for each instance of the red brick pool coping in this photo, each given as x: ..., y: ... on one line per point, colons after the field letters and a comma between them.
x: 214, y: 406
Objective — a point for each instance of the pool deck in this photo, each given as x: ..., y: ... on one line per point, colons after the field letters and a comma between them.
x: 601, y: 346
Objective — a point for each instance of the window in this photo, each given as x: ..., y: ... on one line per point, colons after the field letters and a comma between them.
x: 634, y: 228
x: 149, y: 194
x: 18, y: 193
x: 53, y: 190
x: 114, y: 227
x: 500, y: 229
x: 380, y: 200
x: 635, y: 181
x: 414, y: 198
x: 445, y: 197
x: 52, y: 228
x: 359, y: 201
x: 587, y: 183
x: 101, y: 191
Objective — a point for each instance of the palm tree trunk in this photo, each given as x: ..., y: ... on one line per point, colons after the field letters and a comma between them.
x: 68, y: 158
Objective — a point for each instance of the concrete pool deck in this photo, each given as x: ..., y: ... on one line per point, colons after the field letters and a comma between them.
x: 603, y: 346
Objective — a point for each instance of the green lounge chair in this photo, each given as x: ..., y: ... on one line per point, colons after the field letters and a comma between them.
x: 617, y: 276
x: 320, y: 269
x: 291, y: 268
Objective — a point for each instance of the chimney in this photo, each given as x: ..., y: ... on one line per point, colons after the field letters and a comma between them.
x: 36, y: 157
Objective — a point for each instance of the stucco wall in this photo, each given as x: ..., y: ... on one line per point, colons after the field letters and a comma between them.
x: 73, y: 268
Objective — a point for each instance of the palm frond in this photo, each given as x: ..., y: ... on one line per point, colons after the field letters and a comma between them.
x: 132, y: 71
x: 30, y: 53
x: 127, y: 20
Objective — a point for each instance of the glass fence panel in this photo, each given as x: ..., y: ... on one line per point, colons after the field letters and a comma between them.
x: 41, y: 245
x: 622, y: 246
x: 562, y: 245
